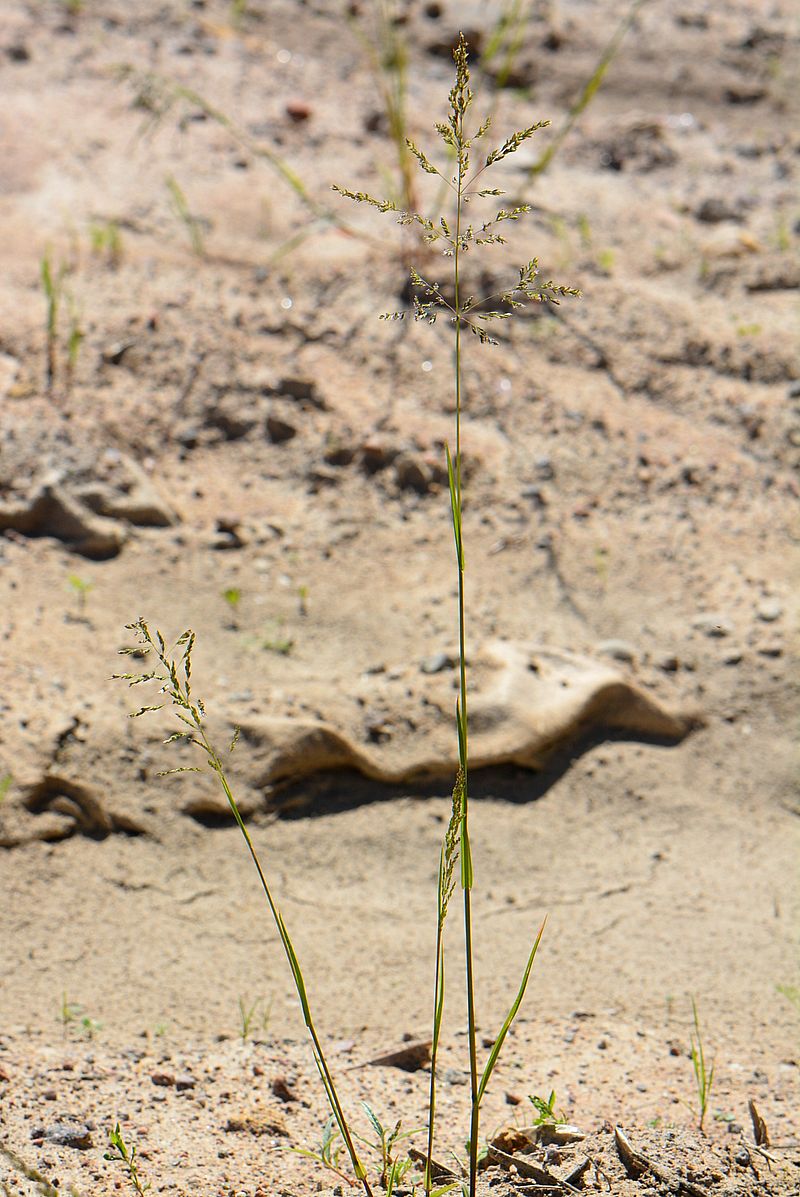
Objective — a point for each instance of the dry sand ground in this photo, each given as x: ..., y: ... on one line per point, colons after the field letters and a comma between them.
x: 241, y: 421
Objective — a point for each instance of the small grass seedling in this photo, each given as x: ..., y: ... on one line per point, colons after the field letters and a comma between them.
x: 119, y: 1151
x: 233, y: 597
x: 105, y: 240
x: 5, y: 786
x: 80, y: 588
x: 251, y: 1014
x: 57, y: 296
x: 703, y: 1075
x: 180, y: 206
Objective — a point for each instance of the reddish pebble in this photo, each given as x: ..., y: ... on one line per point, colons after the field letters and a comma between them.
x: 298, y: 110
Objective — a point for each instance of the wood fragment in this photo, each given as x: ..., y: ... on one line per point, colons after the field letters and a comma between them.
x: 524, y: 1166
x: 438, y: 1171
x: 760, y: 1132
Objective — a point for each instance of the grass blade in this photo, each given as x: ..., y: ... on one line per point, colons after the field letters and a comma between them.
x: 515, y: 1005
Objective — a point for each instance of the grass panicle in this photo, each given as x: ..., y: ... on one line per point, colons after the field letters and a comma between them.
x: 454, y: 236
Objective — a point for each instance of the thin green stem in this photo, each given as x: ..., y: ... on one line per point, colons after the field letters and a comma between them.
x: 463, y: 748
x: 322, y: 1064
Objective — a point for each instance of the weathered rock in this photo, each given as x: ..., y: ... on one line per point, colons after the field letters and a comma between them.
x: 51, y: 511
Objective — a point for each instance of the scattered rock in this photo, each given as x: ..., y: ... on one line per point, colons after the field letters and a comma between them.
x: 304, y: 390
x: 283, y: 1090
x: 279, y: 431
x: 618, y: 650
x: 18, y: 52
x: 437, y: 663
x: 716, y: 209
x: 769, y: 611
x: 712, y: 624
x: 51, y: 511
x: 298, y: 111
x: 164, y: 1080
x: 66, y: 1133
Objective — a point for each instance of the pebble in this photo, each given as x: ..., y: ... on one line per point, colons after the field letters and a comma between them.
x: 618, y: 650
x: 298, y: 110
x: 711, y: 624
x: 437, y: 663
x: 165, y: 1079
x: 279, y: 430
x: 65, y: 1134
x: 769, y: 611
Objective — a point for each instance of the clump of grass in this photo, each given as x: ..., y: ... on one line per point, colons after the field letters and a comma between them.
x: 703, y: 1075
x: 57, y: 297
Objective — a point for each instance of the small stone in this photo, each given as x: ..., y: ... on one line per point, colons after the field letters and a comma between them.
x: 298, y: 111
x: 711, y: 624
x: 716, y: 209
x: 618, y: 650
x: 669, y: 663
x: 66, y: 1134
x: 733, y: 657
x: 18, y: 52
x: 302, y: 389
x: 437, y: 663
x: 165, y: 1079
x: 411, y: 475
x: 184, y: 1081
x: 279, y: 431
x: 283, y: 1090
x: 769, y: 611
x: 770, y: 650
x: 734, y: 1128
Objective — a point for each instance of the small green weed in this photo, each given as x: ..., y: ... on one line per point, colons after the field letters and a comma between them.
x: 5, y: 785
x: 120, y: 1152
x: 546, y: 1113
x: 275, y: 640
x: 330, y: 1151
x: 791, y: 993
x: 704, y: 1077
x: 72, y: 1015
x: 393, y: 1168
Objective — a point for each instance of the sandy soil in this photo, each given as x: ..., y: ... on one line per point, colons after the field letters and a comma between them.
x: 237, y: 419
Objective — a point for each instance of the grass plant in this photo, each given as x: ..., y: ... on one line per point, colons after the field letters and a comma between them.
x: 455, y: 237
x: 57, y: 297
x: 173, y: 673
x: 589, y: 89
x: 180, y: 206
x: 703, y: 1075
